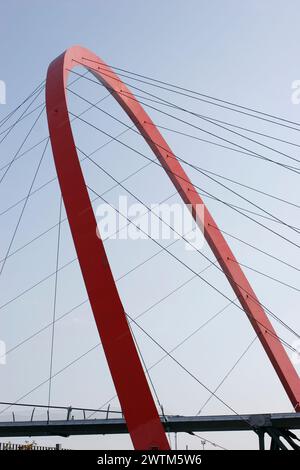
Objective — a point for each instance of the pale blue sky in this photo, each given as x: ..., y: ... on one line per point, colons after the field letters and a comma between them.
x: 245, y: 53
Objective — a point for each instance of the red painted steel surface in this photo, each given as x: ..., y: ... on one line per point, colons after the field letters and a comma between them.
x: 133, y: 391
x: 137, y: 404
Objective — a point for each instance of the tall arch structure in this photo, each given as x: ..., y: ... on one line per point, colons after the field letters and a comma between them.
x: 137, y: 404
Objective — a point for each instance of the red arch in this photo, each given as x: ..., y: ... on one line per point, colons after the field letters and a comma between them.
x: 131, y: 385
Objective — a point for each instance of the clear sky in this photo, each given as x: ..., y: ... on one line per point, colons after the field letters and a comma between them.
x: 247, y: 53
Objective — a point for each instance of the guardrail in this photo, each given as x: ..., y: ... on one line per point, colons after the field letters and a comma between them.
x: 10, y: 446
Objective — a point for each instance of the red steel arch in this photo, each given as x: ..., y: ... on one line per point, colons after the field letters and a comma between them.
x: 142, y: 419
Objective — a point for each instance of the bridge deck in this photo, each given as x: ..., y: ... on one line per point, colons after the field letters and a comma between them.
x: 171, y: 423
